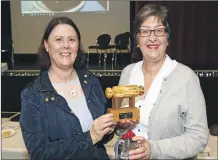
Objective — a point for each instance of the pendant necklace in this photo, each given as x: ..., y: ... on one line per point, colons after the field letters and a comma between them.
x: 66, y: 89
x: 73, y: 92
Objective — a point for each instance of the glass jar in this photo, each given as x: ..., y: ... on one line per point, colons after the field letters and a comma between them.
x: 124, y: 147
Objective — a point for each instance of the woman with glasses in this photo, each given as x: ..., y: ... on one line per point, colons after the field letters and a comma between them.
x: 173, y: 122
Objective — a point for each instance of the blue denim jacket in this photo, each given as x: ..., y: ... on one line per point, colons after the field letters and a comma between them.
x: 50, y: 130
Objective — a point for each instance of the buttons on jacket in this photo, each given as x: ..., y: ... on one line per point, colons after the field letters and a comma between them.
x: 85, y: 81
x: 89, y: 101
x: 46, y: 100
x: 48, y: 97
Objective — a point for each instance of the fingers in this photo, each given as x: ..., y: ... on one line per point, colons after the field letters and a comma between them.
x: 105, y: 131
x: 102, y: 125
x: 144, y: 150
x: 104, y: 121
x: 139, y: 138
x: 138, y: 156
x: 139, y: 153
x: 105, y: 118
x: 126, y: 123
x: 130, y: 121
x: 106, y: 125
x: 112, y: 127
x: 141, y: 148
x: 108, y: 115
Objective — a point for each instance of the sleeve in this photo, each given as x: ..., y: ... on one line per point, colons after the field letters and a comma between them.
x: 196, y: 133
x: 101, y: 96
x: 36, y: 138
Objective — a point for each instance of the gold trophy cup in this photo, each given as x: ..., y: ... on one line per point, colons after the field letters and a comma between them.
x: 117, y: 93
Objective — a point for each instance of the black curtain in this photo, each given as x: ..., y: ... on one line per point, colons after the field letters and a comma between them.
x: 194, y: 32
x: 6, y: 36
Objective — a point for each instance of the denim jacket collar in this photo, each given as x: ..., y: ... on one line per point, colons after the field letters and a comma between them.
x: 46, y: 86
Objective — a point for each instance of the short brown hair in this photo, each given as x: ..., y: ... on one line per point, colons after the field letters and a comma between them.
x: 149, y: 10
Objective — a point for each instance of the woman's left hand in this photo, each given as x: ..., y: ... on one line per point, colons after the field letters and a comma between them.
x: 143, y: 151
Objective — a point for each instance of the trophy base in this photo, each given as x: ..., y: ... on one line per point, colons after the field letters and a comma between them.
x: 125, y: 113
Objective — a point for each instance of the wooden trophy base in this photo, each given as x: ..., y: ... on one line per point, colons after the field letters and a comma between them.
x: 132, y: 113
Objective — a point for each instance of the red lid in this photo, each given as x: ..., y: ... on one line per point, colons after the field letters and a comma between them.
x: 128, y: 135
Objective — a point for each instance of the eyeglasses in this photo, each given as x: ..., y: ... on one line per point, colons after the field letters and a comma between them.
x: 157, y: 32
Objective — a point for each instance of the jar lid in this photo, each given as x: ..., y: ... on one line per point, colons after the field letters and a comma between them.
x: 128, y: 135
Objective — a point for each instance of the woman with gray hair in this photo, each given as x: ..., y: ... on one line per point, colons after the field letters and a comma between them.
x: 173, y: 121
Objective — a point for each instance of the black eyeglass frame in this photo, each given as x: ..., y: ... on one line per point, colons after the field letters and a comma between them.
x: 153, y: 30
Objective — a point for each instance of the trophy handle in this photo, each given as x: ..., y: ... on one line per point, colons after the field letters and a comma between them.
x: 116, y: 102
x: 132, y: 102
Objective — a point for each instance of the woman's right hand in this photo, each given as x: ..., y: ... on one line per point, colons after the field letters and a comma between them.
x: 101, y: 126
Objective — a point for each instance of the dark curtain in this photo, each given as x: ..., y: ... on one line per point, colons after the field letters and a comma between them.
x: 6, y: 34
x: 194, y: 32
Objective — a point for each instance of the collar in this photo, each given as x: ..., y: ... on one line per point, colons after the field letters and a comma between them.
x: 45, y: 85
x: 137, y: 76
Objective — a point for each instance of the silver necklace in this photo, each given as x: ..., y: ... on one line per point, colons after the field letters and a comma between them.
x: 73, y: 92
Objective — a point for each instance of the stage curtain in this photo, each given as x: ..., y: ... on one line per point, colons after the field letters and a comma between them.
x: 194, y: 32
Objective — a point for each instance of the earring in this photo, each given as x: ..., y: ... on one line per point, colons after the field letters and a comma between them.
x: 137, y: 46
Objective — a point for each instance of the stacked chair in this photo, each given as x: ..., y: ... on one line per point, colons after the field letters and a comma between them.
x: 122, y: 43
x: 102, y: 44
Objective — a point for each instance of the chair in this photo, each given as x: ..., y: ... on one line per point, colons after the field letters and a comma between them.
x: 102, y: 43
x: 122, y: 43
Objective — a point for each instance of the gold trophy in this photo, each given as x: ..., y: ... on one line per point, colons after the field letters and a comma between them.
x: 118, y: 93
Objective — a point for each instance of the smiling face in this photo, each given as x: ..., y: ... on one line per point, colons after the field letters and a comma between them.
x: 153, y: 47
x: 62, y: 46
